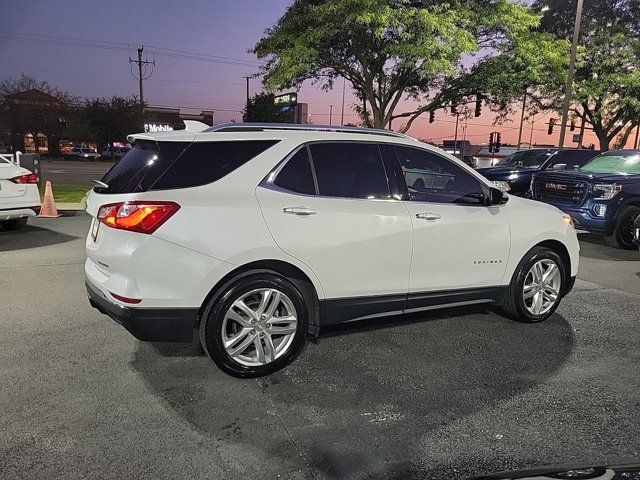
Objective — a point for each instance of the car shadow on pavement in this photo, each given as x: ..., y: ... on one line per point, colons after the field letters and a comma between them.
x: 30, y: 236
x: 359, y: 401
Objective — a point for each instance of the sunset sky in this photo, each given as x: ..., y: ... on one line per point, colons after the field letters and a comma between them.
x: 30, y: 42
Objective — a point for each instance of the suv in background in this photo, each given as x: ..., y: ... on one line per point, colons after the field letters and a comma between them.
x: 513, y: 173
x: 602, y: 196
x: 253, y: 235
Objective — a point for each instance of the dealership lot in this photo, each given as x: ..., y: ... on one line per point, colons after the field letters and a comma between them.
x: 440, y: 395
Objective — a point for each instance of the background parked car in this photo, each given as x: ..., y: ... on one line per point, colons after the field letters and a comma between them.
x: 514, y: 173
x: 602, y: 196
x: 82, y: 153
x: 113, y: 152
x: 19, y: 197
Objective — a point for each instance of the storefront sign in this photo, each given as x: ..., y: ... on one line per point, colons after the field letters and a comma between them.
x: 157, y: 127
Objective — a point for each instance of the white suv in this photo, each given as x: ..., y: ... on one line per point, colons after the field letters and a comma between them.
x: 250, y: 236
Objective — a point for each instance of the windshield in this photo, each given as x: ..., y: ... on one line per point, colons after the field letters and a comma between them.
x: 86, y: 150
x: 527, y: 158
x: 614, y: 162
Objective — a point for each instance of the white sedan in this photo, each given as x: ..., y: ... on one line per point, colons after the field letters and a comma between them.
x: 19, y: 196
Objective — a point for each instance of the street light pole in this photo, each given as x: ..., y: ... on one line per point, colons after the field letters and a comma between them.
x: 572, y: 66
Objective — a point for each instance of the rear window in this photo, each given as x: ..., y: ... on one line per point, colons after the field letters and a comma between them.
x: 206, y: 162
x: 141, y: 166
x: 164, y: 165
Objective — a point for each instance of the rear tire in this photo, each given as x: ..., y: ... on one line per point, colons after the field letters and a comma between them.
x: 14, y: 223
x: 622, y: 235
x: 256, y: 325
x: 529, y: 285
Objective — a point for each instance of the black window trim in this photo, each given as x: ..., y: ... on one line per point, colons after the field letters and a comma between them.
x: 267, y: 182
x: 402, y: 184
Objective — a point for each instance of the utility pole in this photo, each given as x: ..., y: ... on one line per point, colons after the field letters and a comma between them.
x: 247, y: 79
x: 524, y: 105
x: 580, y: 142
x: 464, y: 138
x: 533, y: 120
x: 455, y: 141
x: 330, y: 114
x: 144, y: 72
x: 572, y: 67
x: 344, y: 85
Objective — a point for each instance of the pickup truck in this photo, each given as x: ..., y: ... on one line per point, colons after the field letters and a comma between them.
x: 513, y: 173
x: 602, y: 196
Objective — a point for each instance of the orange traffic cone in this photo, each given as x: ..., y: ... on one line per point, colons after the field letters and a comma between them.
x: 48, y: 209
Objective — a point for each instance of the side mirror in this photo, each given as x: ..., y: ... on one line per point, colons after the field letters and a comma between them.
x: 496, y: 197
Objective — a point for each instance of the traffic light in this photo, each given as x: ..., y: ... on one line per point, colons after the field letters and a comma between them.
x: 478, y: 106
x: 498, y: 144
x: 432, y: 116
x: 552, y: 122
x: 572, y: 126
x: 491, y: 142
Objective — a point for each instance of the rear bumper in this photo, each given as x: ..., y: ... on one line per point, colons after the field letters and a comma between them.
x: 17, y: 212
x: 147, y: 324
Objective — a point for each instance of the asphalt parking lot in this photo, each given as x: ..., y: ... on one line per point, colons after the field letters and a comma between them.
x: 438, y: 396
x: 73, y: 172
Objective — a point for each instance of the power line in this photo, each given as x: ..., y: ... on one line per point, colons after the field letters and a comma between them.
x: 121, y: 46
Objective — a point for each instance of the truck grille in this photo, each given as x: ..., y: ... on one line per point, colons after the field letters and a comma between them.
x: 552, y: 190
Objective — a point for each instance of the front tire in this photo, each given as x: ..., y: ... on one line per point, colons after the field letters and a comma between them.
x: 255, y: 326
x: 536, y: 287
x: 622, y: 235
x: 14, y: 223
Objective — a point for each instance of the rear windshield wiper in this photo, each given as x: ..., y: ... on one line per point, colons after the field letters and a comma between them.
x: 99, y: 184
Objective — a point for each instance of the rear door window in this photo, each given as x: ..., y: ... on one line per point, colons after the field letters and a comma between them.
x: 206, y: 162
x: 141, y: 166
x: 353, y: 170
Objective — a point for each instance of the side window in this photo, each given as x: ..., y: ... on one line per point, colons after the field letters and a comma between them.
x: 431, y: 178
x: 353, y: 170
x: 296, y: 175
x: 206, y: 162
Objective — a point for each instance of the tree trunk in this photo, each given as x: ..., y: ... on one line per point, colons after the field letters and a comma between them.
x: 603, y: 139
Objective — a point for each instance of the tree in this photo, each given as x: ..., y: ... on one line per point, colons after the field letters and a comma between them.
x: 262, y: 108
x: 390, y: 50
x: 39, y: 107
x: 109, y: 121
x: 606, y: 90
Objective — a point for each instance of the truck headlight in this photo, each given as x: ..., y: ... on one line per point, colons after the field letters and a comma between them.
x: 606, y: 191
x: 502, y: 185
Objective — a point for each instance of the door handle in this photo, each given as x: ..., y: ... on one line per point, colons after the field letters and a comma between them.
x: 429, y: 217
x: 301, y: 211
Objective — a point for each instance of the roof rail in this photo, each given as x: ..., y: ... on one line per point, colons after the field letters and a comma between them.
x: 261, y: 127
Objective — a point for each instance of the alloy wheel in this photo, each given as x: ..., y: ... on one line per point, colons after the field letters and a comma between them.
x: 259, y: 327
x: 542, y: 287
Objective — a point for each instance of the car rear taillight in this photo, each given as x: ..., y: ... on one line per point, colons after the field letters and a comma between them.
x: 29, y: 178
x: 139, y: 216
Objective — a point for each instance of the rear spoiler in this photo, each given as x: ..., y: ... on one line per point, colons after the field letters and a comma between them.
x: 191, y: 126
